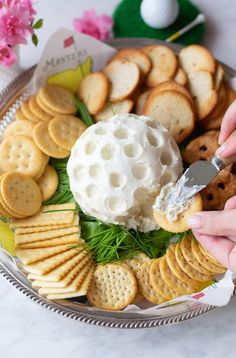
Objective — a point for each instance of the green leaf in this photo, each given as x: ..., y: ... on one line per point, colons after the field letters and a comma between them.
x: 35, y: 40
x: 38, y: 24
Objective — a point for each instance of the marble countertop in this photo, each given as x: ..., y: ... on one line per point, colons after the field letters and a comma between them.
x: 28, y: 330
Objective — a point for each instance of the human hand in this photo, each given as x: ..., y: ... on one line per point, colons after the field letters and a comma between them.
x: 216, y: 231
x: 228, y: 145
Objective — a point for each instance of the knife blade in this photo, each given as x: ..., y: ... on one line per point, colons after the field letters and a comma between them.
x: 194, y: 179
x: 198, y: 176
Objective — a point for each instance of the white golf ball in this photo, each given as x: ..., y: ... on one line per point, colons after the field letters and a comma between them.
x: 159, y: 13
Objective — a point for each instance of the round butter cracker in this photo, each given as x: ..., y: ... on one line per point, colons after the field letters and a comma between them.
x: 48, y: 182
x: 158, y: 283
x: 191, y: 268
x: 3, y: 210
x: 44, y: 164
x: 113, y: 287
x: 19, y: 115
x: 21, y: 193
x: 209, y: 256
x: 145, y: 285
x: 19, y: 153
x: 58, y: 99
x: 173, y: 265
x: 25, y: 108
x: 44, y: 141
x: 65, y: 130
x: 19, y: 127
x: 172, y: 281
x: 207, y: 264
x: 45, y: 108
x: 37, y: 110
x: 179, y: 225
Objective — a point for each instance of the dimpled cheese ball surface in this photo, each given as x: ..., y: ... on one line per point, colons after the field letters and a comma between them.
x: 117, y: 167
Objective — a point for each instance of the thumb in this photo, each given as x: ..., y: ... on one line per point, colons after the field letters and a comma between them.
x: 215, y: 223
x: 228, y: 124
x: 231, y: 203
x: 228, y: 148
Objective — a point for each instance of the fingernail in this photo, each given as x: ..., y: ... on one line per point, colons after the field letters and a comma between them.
x: 221, y: 149
x: 195, y: 222
x: 220, y: 139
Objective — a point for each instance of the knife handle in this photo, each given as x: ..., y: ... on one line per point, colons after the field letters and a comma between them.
x: 222, y: 162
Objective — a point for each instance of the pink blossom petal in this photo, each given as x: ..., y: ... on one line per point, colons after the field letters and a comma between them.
x: 91, y: 24
x: 16, y: 18
x: 78, y: 24
x: 7, y: 56
x: 90, y: 15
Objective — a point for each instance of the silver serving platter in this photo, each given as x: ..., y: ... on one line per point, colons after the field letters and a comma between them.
x: 79, y: 311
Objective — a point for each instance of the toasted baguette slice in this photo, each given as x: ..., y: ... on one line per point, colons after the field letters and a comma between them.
x: 140, y: 103
x: 231, y: 94
x: 205, y: 104
x: 164, y: 64
x: 93, y: 91
x: 112, y: 109
x: 172, y: 85
x: 173, y: 110
x: 201, y: 86
x: 219, y: 76
x: 181, y: 77
x: 214, y: 122
x: 200, y: 82
x: 134, y: 55
x: 196, y: 58
x: 124, y: 78
x: 222, y: 102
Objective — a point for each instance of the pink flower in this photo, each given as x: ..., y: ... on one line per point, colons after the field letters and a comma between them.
x: 7, y: 55
x: 92, y: 24
x: 16, y: 19
x: 28, y: 4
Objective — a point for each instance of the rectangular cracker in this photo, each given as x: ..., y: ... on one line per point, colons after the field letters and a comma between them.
x: 72, y: 239
x: 44, y: 266
x: 73, y: 286
x: 65, y: 281
x: 44, y: 217
x: 30, y: 230
x: 82, y: 291
x: 61, y: 271
x: 46, y: 235
x: 33, y: 255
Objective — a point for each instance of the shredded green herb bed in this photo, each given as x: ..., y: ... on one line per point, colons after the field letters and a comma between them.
x: 109, y: 242
x: 83, y: 113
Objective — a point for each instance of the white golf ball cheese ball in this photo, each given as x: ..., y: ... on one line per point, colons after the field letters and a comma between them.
x: 117, y: 167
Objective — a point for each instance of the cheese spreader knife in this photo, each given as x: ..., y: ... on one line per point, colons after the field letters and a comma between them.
x: 198, y: 175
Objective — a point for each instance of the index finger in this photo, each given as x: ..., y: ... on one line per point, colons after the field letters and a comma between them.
x: 228, y: 123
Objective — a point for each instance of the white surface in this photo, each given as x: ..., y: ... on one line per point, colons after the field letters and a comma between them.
x: 30, y: 331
